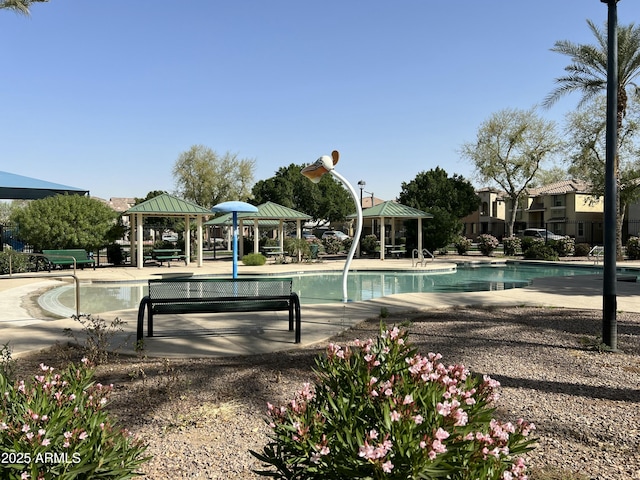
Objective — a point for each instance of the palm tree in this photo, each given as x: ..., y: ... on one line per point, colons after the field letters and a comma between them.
x: 587, y: 74
x: 19, y: 6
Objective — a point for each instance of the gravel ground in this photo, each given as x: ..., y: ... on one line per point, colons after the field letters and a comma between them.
x: 200, y: 417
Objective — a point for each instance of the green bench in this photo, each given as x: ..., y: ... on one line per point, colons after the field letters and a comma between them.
x: 162, y: 255
x: 218, y: 295
x: 69, y: 257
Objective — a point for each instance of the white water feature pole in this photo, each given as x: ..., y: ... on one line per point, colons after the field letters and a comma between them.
x: 315, y: 171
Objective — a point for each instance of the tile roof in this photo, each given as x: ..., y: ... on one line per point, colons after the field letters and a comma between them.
x: 561, y: 188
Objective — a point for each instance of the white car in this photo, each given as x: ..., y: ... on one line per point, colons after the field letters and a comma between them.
x: 541, y: 233
x: 334, y: 234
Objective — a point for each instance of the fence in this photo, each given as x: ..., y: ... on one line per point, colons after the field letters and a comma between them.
x: 582, y: 231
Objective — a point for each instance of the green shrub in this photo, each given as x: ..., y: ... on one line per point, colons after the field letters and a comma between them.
x: 633, y: 248
x: 332, y: 245
x: 346, y: 243
x: 528, y: 242
x: 369, y: 244
x: 462, y: 244
x: 254, y: 259
x: 563, y: 247
x: 539, y: 251
x: 381, y: 410
x: 582, y: 250
x: 511, y: 245
x: 115, y: 254
x: 20, y: 263
x: 54, y: 426
x: 487, y: 244
x: 98, y: 337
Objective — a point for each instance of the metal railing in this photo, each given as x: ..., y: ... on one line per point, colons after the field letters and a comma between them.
x: 420, y: 257
x: 49, y: 275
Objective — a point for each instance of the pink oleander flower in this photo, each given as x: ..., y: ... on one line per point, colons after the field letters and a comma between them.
x: 387, y: 466
x: 395, y: 416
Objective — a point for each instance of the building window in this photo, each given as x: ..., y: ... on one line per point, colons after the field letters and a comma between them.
x: 580, y: 229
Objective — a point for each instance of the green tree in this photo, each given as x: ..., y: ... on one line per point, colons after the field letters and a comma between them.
x: 509, y: 149
x: 547, y: 176
x: 448, y: 199
x: 207, y: 178
x: 19, y: 6
x: 7, y: 208
x: 65, y: 221
x: 587, y: 74
x: 586, y: 129
x: 327, y: 199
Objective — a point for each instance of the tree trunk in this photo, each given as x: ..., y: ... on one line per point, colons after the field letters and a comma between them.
x: 619, y: 225
x: 514, y: 214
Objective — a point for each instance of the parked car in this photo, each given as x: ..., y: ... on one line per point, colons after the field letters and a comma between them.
x: 307, y: 236
x: 334, y: 234
x: 169, y: 236
x: 541, y: 233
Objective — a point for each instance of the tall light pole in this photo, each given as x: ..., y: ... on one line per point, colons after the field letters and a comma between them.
x: 361, y: 184
x: 609, y: 300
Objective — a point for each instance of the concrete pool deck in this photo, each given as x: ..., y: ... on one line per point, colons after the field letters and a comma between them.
x: 28, y: 329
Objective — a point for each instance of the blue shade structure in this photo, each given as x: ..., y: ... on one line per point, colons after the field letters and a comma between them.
x: 234, y: 207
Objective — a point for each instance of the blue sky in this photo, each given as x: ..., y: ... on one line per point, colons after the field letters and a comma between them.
x: 105, y: 95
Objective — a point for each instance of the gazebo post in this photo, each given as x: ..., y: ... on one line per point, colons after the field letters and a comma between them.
x: 187, y: 239
x: 139, y: 240
x: 200, y: 233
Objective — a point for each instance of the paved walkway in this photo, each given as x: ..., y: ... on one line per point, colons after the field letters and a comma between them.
x: 267, y: 332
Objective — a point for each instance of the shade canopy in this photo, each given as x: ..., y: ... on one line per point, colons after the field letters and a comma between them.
x: 233, y: 207
x: 18, y: 187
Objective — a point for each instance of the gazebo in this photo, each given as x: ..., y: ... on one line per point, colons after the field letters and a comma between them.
x: 164, y: 205
x: 269, y: 214
x: 394, y: 210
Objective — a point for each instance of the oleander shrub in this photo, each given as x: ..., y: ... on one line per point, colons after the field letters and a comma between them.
x: 564, y: 247
x: 487, y: 243
x: 382, y: 410
x: 582, y: 250
x: 55, y: 426
x: 633, y: 248
x: 462, y: 244
x: 332, y: 245
x: 511, y: 245
x: 254, y: 259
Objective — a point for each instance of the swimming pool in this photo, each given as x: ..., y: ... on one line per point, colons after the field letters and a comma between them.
x: 326, y: 287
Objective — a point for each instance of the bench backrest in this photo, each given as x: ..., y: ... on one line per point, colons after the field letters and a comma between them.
x: 62, y: 255
x: 202, y: 288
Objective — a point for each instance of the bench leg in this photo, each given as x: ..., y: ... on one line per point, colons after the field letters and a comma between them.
x: 298, y: 322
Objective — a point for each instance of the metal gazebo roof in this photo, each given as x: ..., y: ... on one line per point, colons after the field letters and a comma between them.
x: 166, y: 204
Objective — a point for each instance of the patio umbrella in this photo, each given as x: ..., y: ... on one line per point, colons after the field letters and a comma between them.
x: 234, y: 207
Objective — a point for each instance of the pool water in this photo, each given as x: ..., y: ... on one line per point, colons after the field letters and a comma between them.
x: 326, y: 287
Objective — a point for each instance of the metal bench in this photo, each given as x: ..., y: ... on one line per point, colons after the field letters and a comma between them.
x: 67, y: 258
x: 218, y: 295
